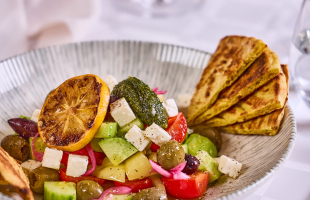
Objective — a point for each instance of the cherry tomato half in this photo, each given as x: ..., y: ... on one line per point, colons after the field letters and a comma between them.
x: 189, y: 188
x: 64, y: 177
x: 178, y: 128
x: 136, y: 185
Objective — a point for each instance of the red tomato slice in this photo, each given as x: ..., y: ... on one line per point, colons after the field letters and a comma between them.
x: 187, y: 189
x: 154, y: 147
x: 171, y: 120
x: 81, y: 152
x: 178, y: 128
x: 136, y: 185
x: 66, y: 178
x: 100, y: 159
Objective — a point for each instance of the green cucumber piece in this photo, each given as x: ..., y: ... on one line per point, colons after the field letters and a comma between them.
x: 39, y: 145
x: 117, y: 149
x: 59, y: 190
x: 196, y: 142
x: 95, y: 146
x: 107, y: 130
x: 123, y: 196
x: 122, y: 131
x: 185, y: 147
x: 207, y: 163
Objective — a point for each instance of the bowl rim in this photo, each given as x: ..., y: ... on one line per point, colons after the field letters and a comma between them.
x: 278, y: 164
x: 293, y: 126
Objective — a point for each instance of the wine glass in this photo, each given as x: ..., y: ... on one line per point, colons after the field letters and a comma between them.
x: 157, y: 8
x: 300, y: 53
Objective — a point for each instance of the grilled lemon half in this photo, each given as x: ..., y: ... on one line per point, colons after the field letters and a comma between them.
x: 73, y: 112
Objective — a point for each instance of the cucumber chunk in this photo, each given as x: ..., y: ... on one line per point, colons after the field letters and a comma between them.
x: 122, y: 131
x: 207, y: 163
x: 185, y: 147
x: 107, y: 130
x: 59, y: 190
x: 137, y: 166
x: 117, y: 149
x: 94, y: 144
x: 197, y: 142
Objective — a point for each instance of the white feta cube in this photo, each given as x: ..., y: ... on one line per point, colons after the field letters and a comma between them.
x: 30, y: 165
x: 121, y: 112
x: 111, y: 82
x: 171, y: 107
x: 35, y: 115
x: 184, y: 100
x: 77, y: 165
x: 136, y: 137
x: 52, y: 158
x: 229, y: 166
x: 158, y: 135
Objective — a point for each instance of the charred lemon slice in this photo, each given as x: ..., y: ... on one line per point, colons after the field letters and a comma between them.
x: 73, y: 112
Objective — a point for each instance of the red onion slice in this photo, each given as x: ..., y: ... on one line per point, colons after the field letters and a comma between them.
x: 159, y: 92
x: 92, y: 159
x: 160, y: 170
x: 179, y: 175
x: 179, y: 167
x: 37, y: 155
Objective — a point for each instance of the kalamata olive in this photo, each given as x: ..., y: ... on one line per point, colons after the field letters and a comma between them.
x: 151, y: 194
x: 192, y: 164
x: 16, y: 146
x: 113, y: 98
x: 170, y: 154
x: 24, y: 127
x: 38, y: 176
x: 87, y: 190
x: 211, y: 133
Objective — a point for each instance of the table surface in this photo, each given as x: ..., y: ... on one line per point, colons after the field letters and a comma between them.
x: 38, y: 23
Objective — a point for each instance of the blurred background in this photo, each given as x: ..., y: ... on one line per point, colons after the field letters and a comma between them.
x: 32, y: 24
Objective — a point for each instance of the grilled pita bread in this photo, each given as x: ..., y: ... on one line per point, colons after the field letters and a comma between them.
x: 233, y: 56
x: 12, y: 173
x: 265, y: 68
x: 270, y: 97
x: 263, y: 125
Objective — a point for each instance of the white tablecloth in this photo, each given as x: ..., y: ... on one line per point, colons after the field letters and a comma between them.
x: 30, y: 24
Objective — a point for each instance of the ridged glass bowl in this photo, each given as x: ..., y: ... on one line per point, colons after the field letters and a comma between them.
x: 26, y: 79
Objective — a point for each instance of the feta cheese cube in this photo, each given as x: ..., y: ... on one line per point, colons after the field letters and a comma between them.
x: 184, y: 100
x: 111, y: 82
x: 121, y: 112
x: 158, y: 135
x: 136, y: 137
x: 35, y: 115
x: 229, y: 166
x: 52, y: 158
x: 30, y: 165
x: 77, y: 165
x: 171, y: 107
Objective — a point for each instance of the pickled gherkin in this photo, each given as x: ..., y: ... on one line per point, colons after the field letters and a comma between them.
x: 143, y: 101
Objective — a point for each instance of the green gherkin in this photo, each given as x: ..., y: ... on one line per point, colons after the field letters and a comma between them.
x: 143, y: 101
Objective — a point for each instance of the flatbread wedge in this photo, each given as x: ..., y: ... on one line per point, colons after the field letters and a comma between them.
x: 12, y: 173
x: 265, y: 68
x: 233, y: 56
x: 263, y: 125
x: 269, y: 97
